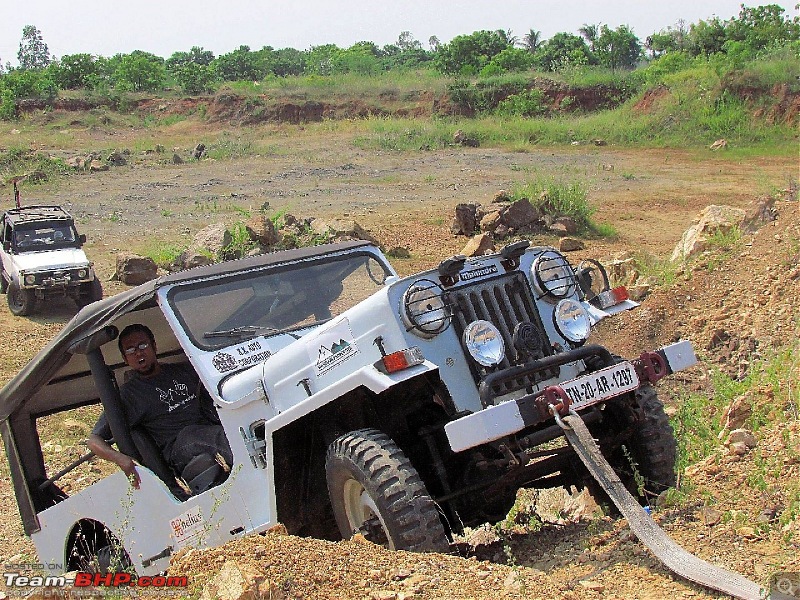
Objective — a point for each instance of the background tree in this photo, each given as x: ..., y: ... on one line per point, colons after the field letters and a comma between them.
x: 618, y: 48
x: 240, y: 65
x: 76, y: 71
x: 139, y: 71
x: 760, y: 27
x: 195, y: 78
x: 468, y: 54
x: 706, y: 37
x: 319, y: 59
x: 564, y: 49
x: 590, y: 33
x: 196, y: 55
x: 286, y: 61
x: 509, y: 60
x: 361, y: 58
x: 532, y: 40
x: 33, y: 52
x: 660, y: 43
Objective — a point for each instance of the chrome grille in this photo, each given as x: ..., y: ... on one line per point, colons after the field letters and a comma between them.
x: 504, y: 301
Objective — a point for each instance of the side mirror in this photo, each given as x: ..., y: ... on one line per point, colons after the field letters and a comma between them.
x: 82, y: 238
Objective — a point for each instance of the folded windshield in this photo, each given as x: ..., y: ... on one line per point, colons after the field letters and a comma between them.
x: 275, y: 301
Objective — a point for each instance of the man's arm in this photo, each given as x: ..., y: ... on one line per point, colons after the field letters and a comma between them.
x: 104, y: 450
x: 98, y: 444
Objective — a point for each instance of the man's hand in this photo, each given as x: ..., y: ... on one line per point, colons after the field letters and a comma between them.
x: 128, y: 467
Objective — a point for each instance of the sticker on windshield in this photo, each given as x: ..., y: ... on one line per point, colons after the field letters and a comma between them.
x: 332, y: 347
x: 247, y: 354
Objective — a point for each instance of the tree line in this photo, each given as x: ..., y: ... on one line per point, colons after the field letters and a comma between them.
x: 481, y: 53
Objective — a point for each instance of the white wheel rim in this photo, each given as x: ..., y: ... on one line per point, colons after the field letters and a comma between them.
x: 360, y: 508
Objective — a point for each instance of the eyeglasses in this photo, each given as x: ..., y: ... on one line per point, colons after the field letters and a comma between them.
x: 141, y: 346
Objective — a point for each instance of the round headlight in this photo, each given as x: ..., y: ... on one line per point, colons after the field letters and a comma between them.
x: 424, y: 311
x: 82, y: 273
x: 552, y: 274
x: 30, y: 279
x: 484, y: 343
x: 572, y: 321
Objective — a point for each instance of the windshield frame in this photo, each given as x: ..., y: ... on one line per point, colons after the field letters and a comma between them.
x: 177, y: 294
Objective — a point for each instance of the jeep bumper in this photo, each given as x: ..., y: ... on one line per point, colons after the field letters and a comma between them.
x: 615, y: 379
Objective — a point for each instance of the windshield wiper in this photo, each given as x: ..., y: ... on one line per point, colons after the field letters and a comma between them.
x: 245, y: 330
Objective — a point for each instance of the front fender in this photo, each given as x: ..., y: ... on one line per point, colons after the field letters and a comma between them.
x: 367, y: 377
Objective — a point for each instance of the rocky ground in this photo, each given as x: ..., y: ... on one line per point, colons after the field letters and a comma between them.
x: 734, y: 304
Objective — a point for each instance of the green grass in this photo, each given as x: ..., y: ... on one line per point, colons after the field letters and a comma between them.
x: 698, y: 422
x: 164, y: 255
x: 558, y: 198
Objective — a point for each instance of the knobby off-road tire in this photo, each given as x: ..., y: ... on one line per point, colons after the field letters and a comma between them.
x: 95, y: 293
x: 20, y: 302
x: 374, y: 490
x: 651, y: 447
x: 653, y: 444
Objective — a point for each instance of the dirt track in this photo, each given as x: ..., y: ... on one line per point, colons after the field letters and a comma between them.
x: 650, y: 196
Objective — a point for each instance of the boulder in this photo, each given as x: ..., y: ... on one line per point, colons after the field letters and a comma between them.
x: 97, y: 165
x: 712, y: 219
x: 239, y: 582
x: 176, y: 159
x: 193, y: 258
x: 261, y: 229
x: 519, y: 215
x: 117, y: 159
x: 501, y: 196
x: 465, y: 219
x: 569, y: 224
x: 570, y: 244
x: 133, y: 269
x: 478, y: 245
x: 342, y: 229
x: 213, y: 238
x: 758, y: 214
x: 490, y: 221
x: 625, y: 271
x: 739, y: 410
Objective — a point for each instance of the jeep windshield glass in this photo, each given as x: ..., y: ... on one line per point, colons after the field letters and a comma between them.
x: 274, y: 301
x: 44, y: 237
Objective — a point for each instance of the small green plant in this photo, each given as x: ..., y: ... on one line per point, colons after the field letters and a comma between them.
x: 165, y: 212
x: 241, y: 243
x: 164, y: 255
x: 557, y: 198
x: 638, y: 478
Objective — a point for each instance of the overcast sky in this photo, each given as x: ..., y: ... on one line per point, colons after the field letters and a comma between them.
x: 162, y: 27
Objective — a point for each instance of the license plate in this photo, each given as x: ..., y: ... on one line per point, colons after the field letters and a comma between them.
x: 601, y: 385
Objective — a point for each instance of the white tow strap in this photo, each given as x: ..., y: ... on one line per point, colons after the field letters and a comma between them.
x: 673, y: 556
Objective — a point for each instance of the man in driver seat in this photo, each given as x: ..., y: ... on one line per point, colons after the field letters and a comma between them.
x: 164, y: 400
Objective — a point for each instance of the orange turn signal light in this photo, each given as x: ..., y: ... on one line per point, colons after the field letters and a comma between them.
x: 403, y: 359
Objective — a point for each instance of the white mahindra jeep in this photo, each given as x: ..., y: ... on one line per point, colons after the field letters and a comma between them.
x: 354, y: 401
x: 42, y: 258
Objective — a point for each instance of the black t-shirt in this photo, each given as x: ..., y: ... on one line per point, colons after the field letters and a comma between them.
x: 163, y: 405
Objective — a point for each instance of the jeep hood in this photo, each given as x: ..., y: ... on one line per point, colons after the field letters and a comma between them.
x: 51, y: 259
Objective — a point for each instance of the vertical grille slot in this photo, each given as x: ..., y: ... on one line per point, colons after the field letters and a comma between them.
x: 504, y: 301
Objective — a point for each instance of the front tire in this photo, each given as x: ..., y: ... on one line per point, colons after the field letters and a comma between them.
x: 20, y: 302
x: 93, y: 294
x: 645, y: 462
x: 375, y: 490
x: 653, y: 444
